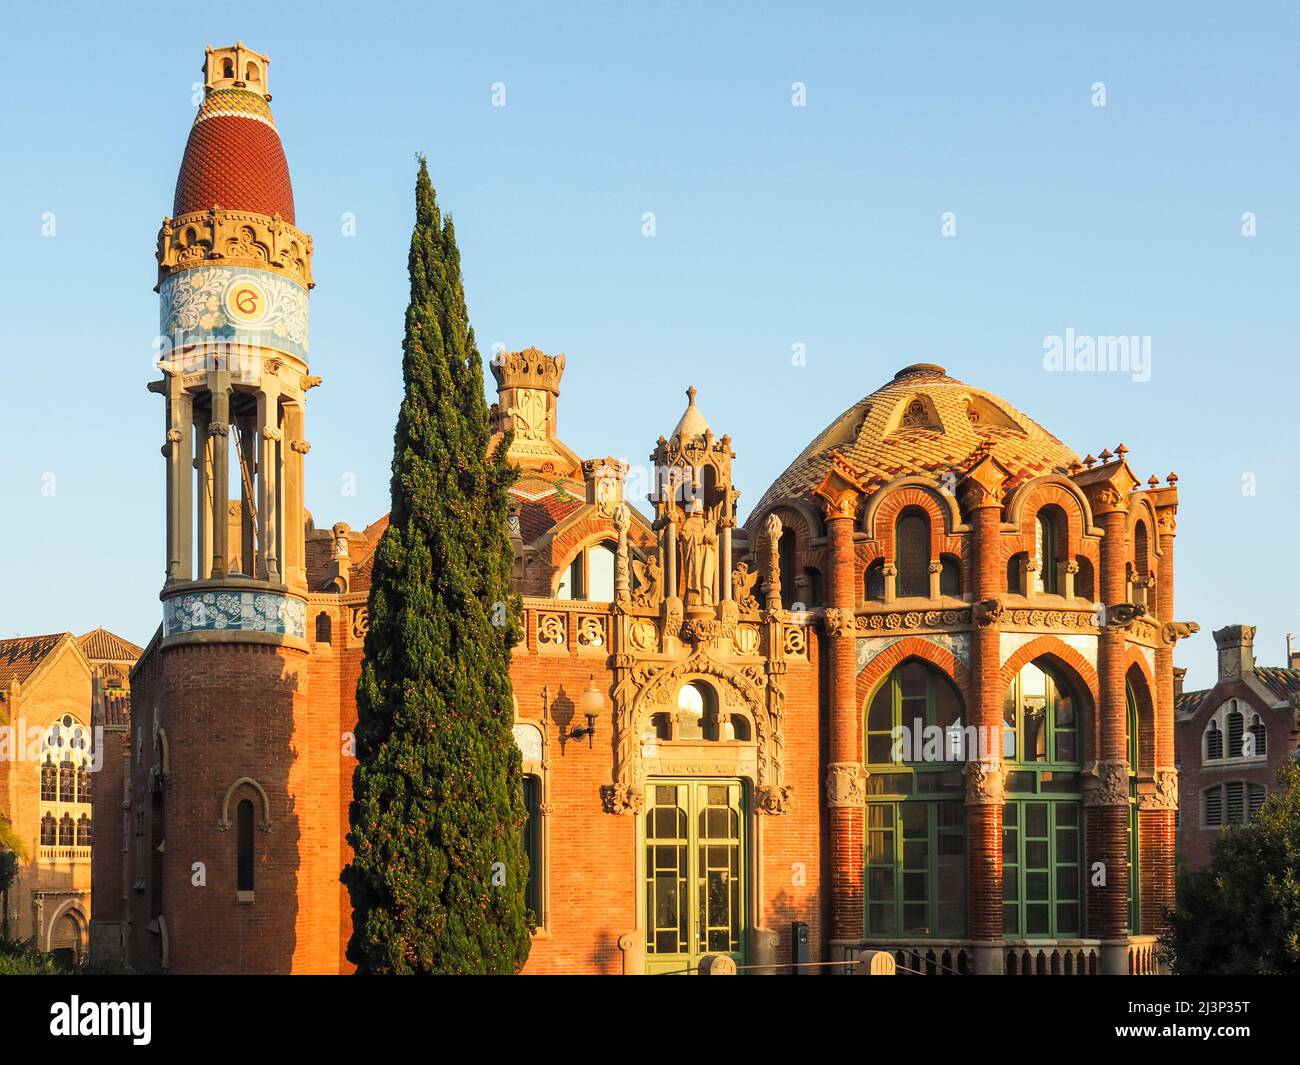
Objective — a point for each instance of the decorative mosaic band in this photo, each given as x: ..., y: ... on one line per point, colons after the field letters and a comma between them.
x: 235, y: 612
x: 234, y: 305
x: 955, y: 643
x: 235, y: 103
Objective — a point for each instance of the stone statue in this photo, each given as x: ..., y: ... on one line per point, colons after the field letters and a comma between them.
x: 699, y: 540
x: 742, y: 587
x: 649, y: 577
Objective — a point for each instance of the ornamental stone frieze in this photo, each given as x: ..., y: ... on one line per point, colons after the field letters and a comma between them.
x: 885, y: 621
x: 1165, y: 796
x: 233, y: 238
x: 846, y: 785
x: 985, y: 783
x: 1106, y: 783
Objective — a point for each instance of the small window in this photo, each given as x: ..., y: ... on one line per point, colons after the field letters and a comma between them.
x: 67, y: 831
x: 1015, y: 584
x: 227, y: 68
x: 1236, y: 733
x: 533, y: 844
x: 83, y: 783
x: 1050, y: 527
x: 1214, y: 806
x: 49, y: 782
x: 1141, y: 551
x: 324, y: 628
x: 949, y: 576
x: 690, y: 713
x: 1257, y: 738
x: 1084, y: 584
x: 67, y: 782
x: 600, y: 574
x: 1213, y: 742
x: 875, y: 581
x: 84, y: 835
x: 785, y: 560
x: 1255, y: 795
x: 244, y: 846
x: 912, y: 554
x: 49, y: 831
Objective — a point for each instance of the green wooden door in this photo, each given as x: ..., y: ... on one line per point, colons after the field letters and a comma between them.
x: 694, y: 872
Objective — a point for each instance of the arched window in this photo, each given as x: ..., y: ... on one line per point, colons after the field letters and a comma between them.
x: 1141, y: 550
x: 1213, y: 741
x: 533, y: 843
x: 1256, y: 738
x: 67, y: 781
x: 324, y: 628
x: 912, y: 553
x: 251, y: 71
x: 49, y: 781
x: 691, y: 705
x: 84, y: 835
x: 67, y: 831
x: 1040, y: 719
x: 949, y: 575
x: 49, y: 831
x: 590, y: 576
x: 83, y: 783
x: 1042, y: 817
x: 228, y: 68
x: 1015, y: 571
x: 1234, y: 733
x: 244, y: 845
x: 916, y: 817
x: 1051, y: 530
x: 1084, y: 583
x: 875, y: 581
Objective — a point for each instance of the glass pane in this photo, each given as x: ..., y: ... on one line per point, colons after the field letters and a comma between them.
x: 880, y: 714
x: 600, y: 574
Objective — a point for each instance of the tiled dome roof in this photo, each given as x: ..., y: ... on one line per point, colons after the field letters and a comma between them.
x: 234, y: 159
x: 923, y: 422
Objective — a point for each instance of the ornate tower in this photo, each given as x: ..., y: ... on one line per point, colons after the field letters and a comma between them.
x: 227, y: 827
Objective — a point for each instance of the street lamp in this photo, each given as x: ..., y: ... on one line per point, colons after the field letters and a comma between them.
x: 592, y: 705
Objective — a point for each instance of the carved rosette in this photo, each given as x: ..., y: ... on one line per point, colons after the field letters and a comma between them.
x: 1106, y: 784
x: 1165, y: 797
x: 985, y: 783
x: 846, y: 785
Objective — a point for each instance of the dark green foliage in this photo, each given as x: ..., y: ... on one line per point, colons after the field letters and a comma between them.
x: 1241, y: 913
x: 438, y: 800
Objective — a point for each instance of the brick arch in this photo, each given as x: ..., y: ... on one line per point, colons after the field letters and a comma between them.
x: 1136, y: 670
x: 1076, y: 666
x: 1141, y: 509
x: 881, y: 520
x: 895, y: 655
x: 1041, y: 492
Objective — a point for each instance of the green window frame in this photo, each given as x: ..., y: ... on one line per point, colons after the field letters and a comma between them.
x: 1040, y: 720
x: 533, y: 844
x: 1134, y: 831
x: 695, y: 871
x: 915, y: 692
x: 916, y: 869
x: 1042, y: 869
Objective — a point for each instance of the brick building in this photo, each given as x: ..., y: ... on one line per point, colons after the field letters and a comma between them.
x: 54, y: 690
x: 886, y: 706
x: 1231, y: 741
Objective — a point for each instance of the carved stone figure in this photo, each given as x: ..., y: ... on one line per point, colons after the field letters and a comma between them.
x: 649, y: 581
x: 1174, y: 631
x: 742, y: 586
x: 699, y: 540
x: 987, y: 611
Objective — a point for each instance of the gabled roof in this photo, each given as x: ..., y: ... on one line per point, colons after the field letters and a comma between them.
x: 1284, y: 683
x: 1189, y: 702
x: 20, y: 657
x: 102, y: 645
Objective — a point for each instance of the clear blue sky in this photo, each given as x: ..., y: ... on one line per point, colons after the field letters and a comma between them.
x: 776, y: 225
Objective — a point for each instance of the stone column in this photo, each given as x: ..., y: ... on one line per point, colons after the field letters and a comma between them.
x: 269, y: 435
x: 984, y: 773
x: 179, y: 450
x: 772, y: 527
x: 294, y: 532
x: 219, y: 434
x: 1106, y: 795
x: 724, y: 569
x: 203, y: 511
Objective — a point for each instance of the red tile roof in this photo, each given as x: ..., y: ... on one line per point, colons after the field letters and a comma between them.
x: 102, y: 645
x: 235, y: 162
x: 1284, y: 683
x: 20, y: 657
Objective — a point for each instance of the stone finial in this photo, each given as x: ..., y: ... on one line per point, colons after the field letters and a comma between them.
x: 1106, y: 456
x: 530, y: 368
x: 1089, y: 461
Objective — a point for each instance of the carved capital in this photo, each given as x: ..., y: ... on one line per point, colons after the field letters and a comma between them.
x: 272, y: 432
x: 846, y: 785
x: 1106, y: 784
x: 985, y: 783
x: 840, y: 622
x: 218, y: 428
x: 1165, y: 796
x: 621, y: 798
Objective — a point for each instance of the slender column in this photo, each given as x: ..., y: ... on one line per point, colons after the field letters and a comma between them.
x: 247, y: 475
x: 984, y: 772
x: 179, y: 450
x: 724, y: 574
x: 294, y: 532
x: 268, y: 482
x: 671, y: 590
x: 1107, y: 794
x: 203, y: 511
x: 772, y: 527
x: 219, y: 435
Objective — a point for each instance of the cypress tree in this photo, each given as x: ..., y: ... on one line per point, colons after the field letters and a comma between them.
x: 439, y: 871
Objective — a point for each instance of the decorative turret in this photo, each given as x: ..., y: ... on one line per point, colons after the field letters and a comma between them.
x: 234, y: 276
x: 528, y: 393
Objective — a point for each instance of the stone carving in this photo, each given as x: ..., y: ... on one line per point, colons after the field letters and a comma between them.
x: 987, y: 612
x: 985, y: 783
x: 1111, y: 787
x: 697, y: 629
x: 551, y: 629
x: 529, y: 414
x: 621, y: 798
x: 772, y: 527
x: 1122, y: 615
x: 591, y: 631
x: 916, y: 619
x: 795, y: 641
x: 1173, y: 631
x: 745, y: 640
x: 642, y: 635
x: 235, y: 238
x: 649, y: 582
x: 672, y: 617
x: 742, y: 587
x: 775, y: 799
x: 699, y: 545
x: 846, y: 785
x: 1165, y: 796
x: 360, y: 622
x: 841, y: 622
